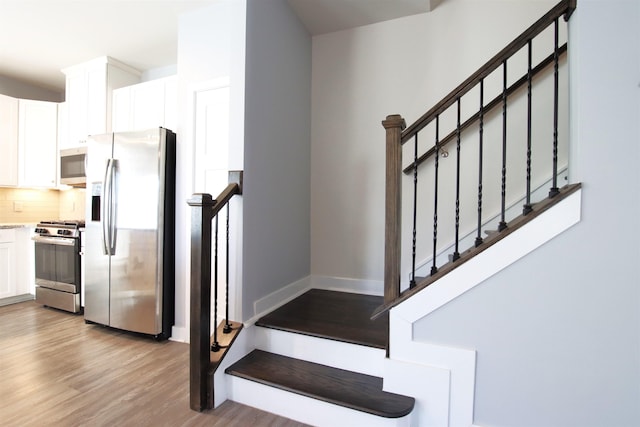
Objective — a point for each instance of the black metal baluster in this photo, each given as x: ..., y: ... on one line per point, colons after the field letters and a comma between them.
x: 456, y: 252
x: 412, y: 283
x: 216, y: 345
x: 503, y: 223
x: 434, y: 267
x: 554, y: 191
x: 480, y: 152
x: 527, y: 206
x: 227, y: 326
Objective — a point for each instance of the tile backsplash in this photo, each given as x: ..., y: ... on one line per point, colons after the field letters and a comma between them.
x: 18, y: 205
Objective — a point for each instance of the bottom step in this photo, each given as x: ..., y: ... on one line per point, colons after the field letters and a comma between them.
x: 345, y: 388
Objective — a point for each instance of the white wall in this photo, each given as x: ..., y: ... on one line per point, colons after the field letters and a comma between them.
x: 557, y: 334
x: 210, y: 45
x: 277, y: 151
x: 362, y: 75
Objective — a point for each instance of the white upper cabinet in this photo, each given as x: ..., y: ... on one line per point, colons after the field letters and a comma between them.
x: 37, y: 143
x: 89, y: 88
x: 145, y: 105
x: 8, y: 141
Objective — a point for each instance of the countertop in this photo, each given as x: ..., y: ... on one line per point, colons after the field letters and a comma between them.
x: 15, y: 225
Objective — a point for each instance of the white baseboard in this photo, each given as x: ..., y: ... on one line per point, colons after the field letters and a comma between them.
x: 289, y: 292
x: 278, y: 298
x: 16, y: 299
x: 179, y: 334
x: 344, y: 284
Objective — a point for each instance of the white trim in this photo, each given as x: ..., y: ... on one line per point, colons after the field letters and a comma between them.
x: 243, y: 345
x: 489, y: 262
x: 278, y: 298
x: 351, y: 357
x: 283, y: 295
x: 423, y: 267
x: 179, y: 334
x: 189, y: 138
x: 461, y: 363
x: 429, y: 385
x: 344, y: 284
x: 304, y: 409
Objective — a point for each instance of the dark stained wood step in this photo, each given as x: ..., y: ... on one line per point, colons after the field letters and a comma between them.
x: 338, y: 386
x: 340, y: 316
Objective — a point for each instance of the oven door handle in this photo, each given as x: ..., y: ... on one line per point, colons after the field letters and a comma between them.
x: 62, y: 241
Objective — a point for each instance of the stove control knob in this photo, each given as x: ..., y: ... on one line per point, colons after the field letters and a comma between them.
x: 41, y: 231
x: 64, y: 232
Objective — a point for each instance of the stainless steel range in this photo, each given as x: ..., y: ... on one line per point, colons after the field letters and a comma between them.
x: 57, y: 260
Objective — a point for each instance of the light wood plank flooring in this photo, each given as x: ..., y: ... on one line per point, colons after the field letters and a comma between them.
x: 57, y: 371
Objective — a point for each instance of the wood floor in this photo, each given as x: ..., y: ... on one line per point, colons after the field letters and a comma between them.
x: 57, y: 371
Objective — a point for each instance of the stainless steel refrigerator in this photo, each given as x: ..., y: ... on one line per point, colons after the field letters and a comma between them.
x: 129, y: 237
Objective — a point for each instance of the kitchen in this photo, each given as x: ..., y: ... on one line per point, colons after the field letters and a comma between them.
x: 148, y: 47
x: 58, y: 179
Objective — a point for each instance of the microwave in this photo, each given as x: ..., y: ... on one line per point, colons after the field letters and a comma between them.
x: 73, y: 162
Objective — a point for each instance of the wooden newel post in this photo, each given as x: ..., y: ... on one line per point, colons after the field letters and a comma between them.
x: 200, y: 303
x: 394, y: 125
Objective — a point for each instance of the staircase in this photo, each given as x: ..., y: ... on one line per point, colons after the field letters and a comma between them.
x: 319, y: 359
x: 343, y: 359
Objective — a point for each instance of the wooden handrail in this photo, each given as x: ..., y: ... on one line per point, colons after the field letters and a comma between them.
x: 488, y: 107
x: 397, y: 135
x: 565, y: 7
x: 205, y: 209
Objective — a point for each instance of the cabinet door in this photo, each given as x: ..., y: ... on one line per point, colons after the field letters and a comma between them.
x: 148, y: 105
x: 63, y: 126
x: 8, y: 141
x: 37, y: 142
x: 7, y: 264
x: 76, y: 100
x: 24, y: 262
x: 96, y: 100
x: 121, y: 114
x: 171, y: 103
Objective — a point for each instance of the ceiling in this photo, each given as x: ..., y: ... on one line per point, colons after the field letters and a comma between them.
x: 41, y: 37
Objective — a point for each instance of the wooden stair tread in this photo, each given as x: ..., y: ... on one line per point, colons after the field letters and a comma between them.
x: 338, y: 386
x: 340, y: 316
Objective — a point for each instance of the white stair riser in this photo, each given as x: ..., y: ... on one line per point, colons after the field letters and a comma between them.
x: 351, y: 357
x: 304, y: 409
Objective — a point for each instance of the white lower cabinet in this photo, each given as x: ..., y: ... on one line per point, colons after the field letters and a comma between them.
x: 8, y: 286
x: 17, y: 270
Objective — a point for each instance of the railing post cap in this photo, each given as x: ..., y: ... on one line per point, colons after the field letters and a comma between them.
x: 394, y: 121
x: 201, y: 199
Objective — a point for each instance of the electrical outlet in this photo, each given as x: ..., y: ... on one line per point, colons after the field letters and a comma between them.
x: 17, y: 206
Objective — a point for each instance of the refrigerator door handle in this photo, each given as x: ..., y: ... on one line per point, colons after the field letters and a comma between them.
x: 113, y: 201
x: 106, y: 208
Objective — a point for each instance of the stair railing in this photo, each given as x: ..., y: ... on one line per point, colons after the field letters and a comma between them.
x: 397, y: 134
x: 204, y: 230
